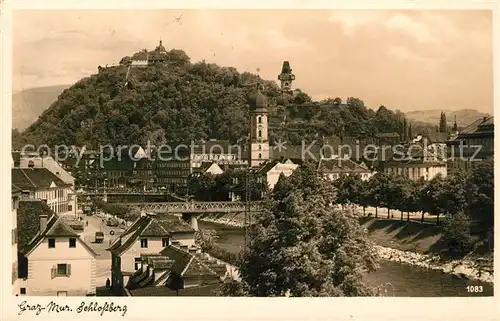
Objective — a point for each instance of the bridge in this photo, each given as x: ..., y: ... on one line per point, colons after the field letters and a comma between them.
x: 197, y: 207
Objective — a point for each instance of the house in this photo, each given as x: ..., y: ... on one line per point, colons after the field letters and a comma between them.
x: 34, y: 160
x: 208, y: 168
x: 44, y: 185
x: 148, y: 234
x: 15, y: 196
x: 271, y: 171
x: 417, y: 162
x: 474, y: 141
x: 333, y: 168
x: 52, y: 259
x: 174, y: 270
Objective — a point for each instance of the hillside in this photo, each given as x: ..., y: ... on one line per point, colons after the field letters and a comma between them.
x: 180, y: 100
x: 465, y: 117
x: 28, y: 104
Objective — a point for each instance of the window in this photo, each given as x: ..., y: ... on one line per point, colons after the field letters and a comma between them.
x: 60, y: 270
x: 259, y: 120
x: 260, y: 147
x: 137, y: 263
x: 260, y: 133
x: 72, y: 242
x: 22, y: 291
x: 144, y: 243
x: 52, y: 243
x: 164, y: 242
x: 260, y: 155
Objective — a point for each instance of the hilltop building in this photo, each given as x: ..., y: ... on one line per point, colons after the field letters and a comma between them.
x: 145, y: 58
x: 286, y: 77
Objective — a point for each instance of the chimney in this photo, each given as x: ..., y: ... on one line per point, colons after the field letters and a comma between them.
x: 485, y: 118
x: 43, y: 222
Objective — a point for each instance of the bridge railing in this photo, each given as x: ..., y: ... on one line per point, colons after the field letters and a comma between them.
x: 197, y: 207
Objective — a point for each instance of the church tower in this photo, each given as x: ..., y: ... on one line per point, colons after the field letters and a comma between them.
x: 259, y: 139
x: 286, y: 77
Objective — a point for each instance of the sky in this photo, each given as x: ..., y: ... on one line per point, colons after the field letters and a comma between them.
x: 406, y: 60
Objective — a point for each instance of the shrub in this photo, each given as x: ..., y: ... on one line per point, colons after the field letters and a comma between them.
x: 457, y: 234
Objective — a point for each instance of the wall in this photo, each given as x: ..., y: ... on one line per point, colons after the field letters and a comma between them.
x: 43, y: 259
x: 128, y: 258
x: 184, y: 238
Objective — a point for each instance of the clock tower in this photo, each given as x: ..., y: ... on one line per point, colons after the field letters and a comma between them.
x: 259, y: 140
x: 286, y: 77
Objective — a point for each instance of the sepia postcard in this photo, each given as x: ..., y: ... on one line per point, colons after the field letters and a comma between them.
x: 223, y: 152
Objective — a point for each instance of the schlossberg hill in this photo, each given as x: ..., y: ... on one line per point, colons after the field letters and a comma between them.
x: 177, y: 100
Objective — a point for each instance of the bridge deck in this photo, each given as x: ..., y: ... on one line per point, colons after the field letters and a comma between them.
x: 197, y: 207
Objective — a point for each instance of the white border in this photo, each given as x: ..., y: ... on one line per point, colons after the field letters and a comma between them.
x: 233, y: 308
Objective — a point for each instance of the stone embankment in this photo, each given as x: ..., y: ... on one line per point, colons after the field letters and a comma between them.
x: 224, y: 221
x: 460, y: 268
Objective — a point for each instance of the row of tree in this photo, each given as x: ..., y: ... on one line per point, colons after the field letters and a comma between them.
x: 468, y: 191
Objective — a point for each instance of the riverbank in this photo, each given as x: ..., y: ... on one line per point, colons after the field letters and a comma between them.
x: 409, y: 243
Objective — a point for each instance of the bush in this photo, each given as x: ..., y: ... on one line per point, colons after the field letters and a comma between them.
x: 457, y: 234
x: 224, y: 255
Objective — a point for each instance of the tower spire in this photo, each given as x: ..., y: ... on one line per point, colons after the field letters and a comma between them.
x: 286, y: 77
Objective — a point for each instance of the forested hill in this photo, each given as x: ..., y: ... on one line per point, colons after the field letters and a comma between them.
x: 183, y: 100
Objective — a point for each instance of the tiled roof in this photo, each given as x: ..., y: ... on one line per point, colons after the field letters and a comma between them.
x: 387, y: 135
x: 296, y: 152
x: 215, y: 147
x: 15, y: 189
x: 205, y: 290
x: 267, y: 166
x: 149, y: 225
x: 28, y: 225
x: 34, y: 178
x: 341, y: 166
x: 181, y: 258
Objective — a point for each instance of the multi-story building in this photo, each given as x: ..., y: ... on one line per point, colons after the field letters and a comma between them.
x: 34, y: 160
x: 217, y: 151
x: 52, y: 259
x: 149, y: 234
x: 420, y: 163
x: 475, y: 142
x: 333, y: 168
x: 171, y: 168
x: 40, y: 183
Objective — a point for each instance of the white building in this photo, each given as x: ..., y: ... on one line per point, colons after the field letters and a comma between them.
x: 332, y: 168
x: 40, y: 183
x: 414, y: 165
x: 272, y: 170
x: 53, y: 259
x: 149, y: 234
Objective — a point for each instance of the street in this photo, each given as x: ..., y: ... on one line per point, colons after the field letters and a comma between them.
x: 96, y: 224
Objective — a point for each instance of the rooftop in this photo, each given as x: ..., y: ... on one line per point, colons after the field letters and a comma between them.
x: 35, y: 178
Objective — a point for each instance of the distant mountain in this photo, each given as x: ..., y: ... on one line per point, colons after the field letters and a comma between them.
x: 29, y: 104
x: 465, y: 117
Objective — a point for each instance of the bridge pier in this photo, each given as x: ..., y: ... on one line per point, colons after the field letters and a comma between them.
x: 191, y: 219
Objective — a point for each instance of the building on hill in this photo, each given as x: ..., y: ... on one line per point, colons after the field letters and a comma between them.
x: 333, y: 168
x: 474, y: 142
x: 417, y: 163
x: 174, y: 271
x: 149, y: 234
x: 40, y: 183
x: 52, y: 259
x: 259, y: 139
x: 271, y: 171
x: 286, y: 77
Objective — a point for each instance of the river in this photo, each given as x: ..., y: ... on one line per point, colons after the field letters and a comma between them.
x: 404, y: 280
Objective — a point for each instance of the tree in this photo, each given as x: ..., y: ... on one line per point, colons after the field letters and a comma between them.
x: 443, y: 126
x: 457, y: 234
x: 300, y: 246
x: 348, y: 189
x: 433, y: 202
x: 480, y: 194
x: 206, y: 238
